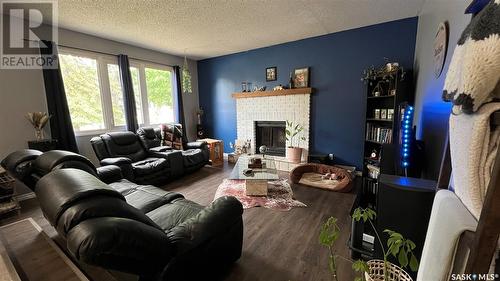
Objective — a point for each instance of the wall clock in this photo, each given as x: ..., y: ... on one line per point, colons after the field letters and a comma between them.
x: 440, y: 48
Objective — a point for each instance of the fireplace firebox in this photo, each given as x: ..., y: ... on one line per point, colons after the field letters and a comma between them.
x: 272, y: 135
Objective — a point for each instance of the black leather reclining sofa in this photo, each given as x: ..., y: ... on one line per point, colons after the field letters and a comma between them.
x: 139, y: 229
x: 143, y: 160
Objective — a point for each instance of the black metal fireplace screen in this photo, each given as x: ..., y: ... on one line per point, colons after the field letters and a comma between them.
x: 272, y: 135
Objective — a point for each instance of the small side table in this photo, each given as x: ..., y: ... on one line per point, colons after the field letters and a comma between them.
x: 43, y: 145
x: 216, y: 148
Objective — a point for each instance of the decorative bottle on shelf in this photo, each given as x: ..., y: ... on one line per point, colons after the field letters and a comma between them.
x: 290, y: 82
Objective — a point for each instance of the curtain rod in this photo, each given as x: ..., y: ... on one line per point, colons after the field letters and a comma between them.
x: 102, y: 53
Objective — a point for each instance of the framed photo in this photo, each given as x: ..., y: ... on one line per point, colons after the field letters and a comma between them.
x: 271, y: 73
x: 376, y: 113
x: 383, y: 114
x: 301, y: 77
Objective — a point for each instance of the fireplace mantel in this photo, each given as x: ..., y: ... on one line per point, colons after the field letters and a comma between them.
x: 285, y: 92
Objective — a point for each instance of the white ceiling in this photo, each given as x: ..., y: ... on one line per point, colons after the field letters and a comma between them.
x: 203, y: 28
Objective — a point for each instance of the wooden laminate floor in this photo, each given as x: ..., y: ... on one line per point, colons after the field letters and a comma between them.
x: 277, y: 245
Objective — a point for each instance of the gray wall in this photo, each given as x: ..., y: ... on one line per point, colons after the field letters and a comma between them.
x: 431, y: 113
x: 22, y: 91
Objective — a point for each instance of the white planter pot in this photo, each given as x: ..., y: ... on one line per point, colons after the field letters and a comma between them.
x: 294, y: 154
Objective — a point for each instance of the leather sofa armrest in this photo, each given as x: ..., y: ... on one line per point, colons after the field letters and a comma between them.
x: 121, y: 244
x: 109, y: 173
x: 174, y: 158
x: 124, y: 163
x: 196, y: 144
x: 169, y: 154
x: 116, y: 161
x: 163, y: 148
x: 213, y: 221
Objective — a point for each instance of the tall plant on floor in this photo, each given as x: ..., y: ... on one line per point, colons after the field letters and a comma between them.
x: 397, y: 246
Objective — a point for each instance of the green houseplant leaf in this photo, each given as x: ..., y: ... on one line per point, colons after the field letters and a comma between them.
x: 403, y: 258
x: 413, y: 263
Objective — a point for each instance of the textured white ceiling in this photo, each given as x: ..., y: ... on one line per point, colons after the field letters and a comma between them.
x: 203, y: 28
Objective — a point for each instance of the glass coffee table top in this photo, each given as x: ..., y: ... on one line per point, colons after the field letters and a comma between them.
x: 267, y: 173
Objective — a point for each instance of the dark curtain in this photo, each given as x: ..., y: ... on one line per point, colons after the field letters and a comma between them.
x: 128, y: 93
x: 61, y: 127
x: 179, y: 108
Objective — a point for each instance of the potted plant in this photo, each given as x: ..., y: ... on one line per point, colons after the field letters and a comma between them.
x: 373, y: 270
x: 293, y: 153
x: 38, y: 120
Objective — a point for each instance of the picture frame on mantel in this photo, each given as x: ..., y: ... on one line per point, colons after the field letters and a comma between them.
x: 271, y: 73
x: 301, y: 77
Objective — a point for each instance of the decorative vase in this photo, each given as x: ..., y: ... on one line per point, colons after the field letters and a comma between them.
x: 394, y: 272
x: 39, y: 134
x: 294, y: 154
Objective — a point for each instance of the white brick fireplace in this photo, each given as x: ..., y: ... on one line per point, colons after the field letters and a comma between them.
x: 293, y: 107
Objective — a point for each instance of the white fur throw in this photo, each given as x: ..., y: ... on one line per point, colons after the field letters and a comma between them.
x: 474, y: 72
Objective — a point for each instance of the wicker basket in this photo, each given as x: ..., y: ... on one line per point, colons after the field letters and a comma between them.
x: 394, y: 272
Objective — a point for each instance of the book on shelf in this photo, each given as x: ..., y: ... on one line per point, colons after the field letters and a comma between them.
x: 378, y: 134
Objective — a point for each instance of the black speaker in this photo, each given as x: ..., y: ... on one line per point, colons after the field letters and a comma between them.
x: 200, y: 132
x: 404, y: 205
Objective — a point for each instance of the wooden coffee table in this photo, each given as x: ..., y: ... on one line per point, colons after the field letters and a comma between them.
x: 255, y: 183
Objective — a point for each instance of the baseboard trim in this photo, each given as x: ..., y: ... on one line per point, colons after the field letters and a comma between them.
x: 25, y: 196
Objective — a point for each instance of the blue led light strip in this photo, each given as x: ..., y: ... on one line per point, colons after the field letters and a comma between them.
x: 406, y: 124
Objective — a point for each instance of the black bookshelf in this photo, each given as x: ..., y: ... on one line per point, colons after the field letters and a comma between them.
x: 382, y: 137
x: 382, y: 121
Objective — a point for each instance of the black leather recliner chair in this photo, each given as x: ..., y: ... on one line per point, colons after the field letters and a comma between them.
x: 143, y: 230
x: 195, y: 154
x: 150, y: 139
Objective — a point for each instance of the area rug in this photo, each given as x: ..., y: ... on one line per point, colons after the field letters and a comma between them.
x: 279, y: 195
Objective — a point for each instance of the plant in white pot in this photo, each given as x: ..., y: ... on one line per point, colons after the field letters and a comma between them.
x: 373, y: 270
x: 292, y: 131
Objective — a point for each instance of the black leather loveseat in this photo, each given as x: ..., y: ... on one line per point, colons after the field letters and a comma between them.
x: 194, y: 155
x: 142, y: 159
x: 139, y: 229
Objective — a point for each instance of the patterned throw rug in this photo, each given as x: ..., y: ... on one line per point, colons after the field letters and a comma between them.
x: 279, y: 196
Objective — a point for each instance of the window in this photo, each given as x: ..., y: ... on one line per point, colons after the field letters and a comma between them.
x: 159, y: 87
x: 94, y: 93
x: 82, y: 88
x: 115, y: 89
x: 134, y: 73
x: 153, y: 92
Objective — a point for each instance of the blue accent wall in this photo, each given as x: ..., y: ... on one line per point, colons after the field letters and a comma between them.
x: 336, y: 60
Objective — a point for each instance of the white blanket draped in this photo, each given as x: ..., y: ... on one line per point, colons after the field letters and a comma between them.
x: 473, y: 147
